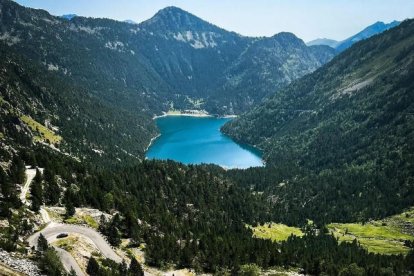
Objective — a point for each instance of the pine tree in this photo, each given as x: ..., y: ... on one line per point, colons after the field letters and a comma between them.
x: 42, y: 244
x: 52, y: 192
x: 123, y: 269
x: 72, y: 272
x: 112, y: 231
x: 51, y: 264
x: 70, y: 209
x: 135, y: 268
x: 17, y: 170
x: 6, y: 189
x: 36, y: 192
x: 5, y: 185
x: 113, y: 235
x: 93, y: 267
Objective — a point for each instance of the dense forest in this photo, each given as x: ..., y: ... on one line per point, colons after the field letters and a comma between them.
x: 190, y: 216
x: 90, y: 127
x: 338, y: 140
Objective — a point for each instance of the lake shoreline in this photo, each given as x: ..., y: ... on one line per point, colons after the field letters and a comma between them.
x: 190, y: 139
x: 192, y: 113
x: 152, y: 141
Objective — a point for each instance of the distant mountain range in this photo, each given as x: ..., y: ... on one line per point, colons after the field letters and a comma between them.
x: 369, y: 31
x: 323, y: 41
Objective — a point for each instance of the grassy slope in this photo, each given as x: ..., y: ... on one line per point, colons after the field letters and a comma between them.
x: 44, y: 134
x: 275, y: 231
x: 385, y: 236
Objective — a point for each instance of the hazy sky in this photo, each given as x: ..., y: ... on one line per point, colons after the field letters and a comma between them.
x: 308, y: 19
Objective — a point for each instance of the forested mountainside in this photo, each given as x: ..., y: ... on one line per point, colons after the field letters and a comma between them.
x: 56, y: 112
x: 266, y: 66
x: 347, y: 129
x: 171, y: 60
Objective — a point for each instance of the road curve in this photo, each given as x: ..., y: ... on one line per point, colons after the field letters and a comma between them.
x: 68, y: 261
x: 53, y: 229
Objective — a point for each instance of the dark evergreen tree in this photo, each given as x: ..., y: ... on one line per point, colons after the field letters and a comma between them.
x: 36, y: 191
x: 52, y: 190
x: 72, y: 272
x: 123, y: 269
x: 6, y: 191
x: 17, y: 170
x: 93, y: 267
x: 70, y: 209
x: 42, y: 244
x: 135, y: 268
x: 52, y: 193
x: 50, y: 263
x: 112, y: 231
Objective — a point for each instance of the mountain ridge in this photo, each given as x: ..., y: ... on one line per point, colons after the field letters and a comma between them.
x: 348, y: 125
x: 323, y: 41
x: 371, y: 30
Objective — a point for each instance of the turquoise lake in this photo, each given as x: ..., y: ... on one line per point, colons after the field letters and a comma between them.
x: 196, y: 140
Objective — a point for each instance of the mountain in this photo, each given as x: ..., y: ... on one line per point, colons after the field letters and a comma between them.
x: 173, y: 60
x: 76, y: 105
x: 267, y: 65
x: 68, y: 16
x: 39, y: 107
x: 323, y: 41
x: 369, y: 31
x: 348, y: 127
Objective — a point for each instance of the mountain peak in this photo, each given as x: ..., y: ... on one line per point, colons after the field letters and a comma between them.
x: 174, y: 19
x: 286, y: 38
x: 171, y: 9
x: 285, y: 35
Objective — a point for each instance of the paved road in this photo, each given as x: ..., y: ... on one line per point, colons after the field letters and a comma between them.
x: 68, y: 261
x: 53, y: 229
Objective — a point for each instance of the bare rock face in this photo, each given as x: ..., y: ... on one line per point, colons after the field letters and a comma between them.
x: 14, y: 261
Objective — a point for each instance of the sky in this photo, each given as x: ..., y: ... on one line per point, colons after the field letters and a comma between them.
x: 307, y: 19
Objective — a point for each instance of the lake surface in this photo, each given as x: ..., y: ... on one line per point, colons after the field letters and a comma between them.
x: 196, y: 140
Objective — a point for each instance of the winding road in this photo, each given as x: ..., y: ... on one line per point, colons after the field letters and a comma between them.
x: 53, y: 229
x: 68, y: 261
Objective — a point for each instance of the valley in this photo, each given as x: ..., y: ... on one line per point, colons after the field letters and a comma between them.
x: 175, y: 147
